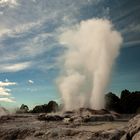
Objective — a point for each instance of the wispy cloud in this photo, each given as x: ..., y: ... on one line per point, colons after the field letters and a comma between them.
x: 15, y: 67
x: 131, y: 43
x: 4, y: 31
x: 29, y: 31
x: 4, y: 84
x: 10, y: 3
x: 19, y: 29
x: 5, y: 93
x: 27, y: 39
x: 132, y: 28
x: 30, y: 81
x: 9, y: 100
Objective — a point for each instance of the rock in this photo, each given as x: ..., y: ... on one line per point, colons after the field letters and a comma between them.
x: 3, y: 119
x: 13, y: 134
x: 133, y: 129
x: 124, y: 137
x: 54, y: 118
x: 70, y: 132
x: 88, y: 115
x: 41, y: 117
x: 77, y: 119
x: 68, y: 120
x: 107, y: 135
x: 89, y: 111
x: 44, y: 117
x: 60, y: 133
x: 75, y: 127
x: 39, y: 133
x: 136, y: 136
x: 95, y: 118
x: 68, y: 114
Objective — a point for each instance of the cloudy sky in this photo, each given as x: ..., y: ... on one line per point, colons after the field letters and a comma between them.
x: 30, y: 50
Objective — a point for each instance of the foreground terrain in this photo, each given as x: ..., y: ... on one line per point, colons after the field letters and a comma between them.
x: 69, y: 126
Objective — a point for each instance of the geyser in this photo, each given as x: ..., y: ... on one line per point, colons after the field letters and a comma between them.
x: 91, y: 49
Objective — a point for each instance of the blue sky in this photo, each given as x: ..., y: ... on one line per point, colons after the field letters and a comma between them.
x: 29, y: 47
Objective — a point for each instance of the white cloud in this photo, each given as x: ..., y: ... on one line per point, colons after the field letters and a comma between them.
x: 31, y: 48
x: 4, y: 84
x: 131, y: 43
x: 28, y: 35
x: 36, y: 45
x: 132, y: 28
x: 30, y: 81
x: 10, y: 3
x: 15, y: 67
x: 34, y: 0
x: 4, y: 31
x: 19, y: 29
x: 28, y: 50
x: 1, y: 13
x: 10, y: 100
x: 4, y: 92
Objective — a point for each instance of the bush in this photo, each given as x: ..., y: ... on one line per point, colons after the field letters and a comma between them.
x: 52, y: 106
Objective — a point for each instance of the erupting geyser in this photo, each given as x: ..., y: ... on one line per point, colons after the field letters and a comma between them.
x: 91, y: 49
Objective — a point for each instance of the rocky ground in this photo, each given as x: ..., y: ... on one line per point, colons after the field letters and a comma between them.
x: 84, y: 124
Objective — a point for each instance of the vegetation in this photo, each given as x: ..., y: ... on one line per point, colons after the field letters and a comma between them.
x: 52, y: 106
x: 129, y: 102
x: 23, y: 109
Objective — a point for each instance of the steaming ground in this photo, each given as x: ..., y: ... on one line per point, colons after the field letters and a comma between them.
x: 3, y: 111
x: 29, y: 127
x: 91, y: 49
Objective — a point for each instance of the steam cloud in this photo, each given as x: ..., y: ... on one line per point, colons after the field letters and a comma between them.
x: 3, y: 111
x: 91, y: 49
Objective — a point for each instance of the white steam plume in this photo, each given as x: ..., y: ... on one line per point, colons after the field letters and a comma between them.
x: 92, y: 47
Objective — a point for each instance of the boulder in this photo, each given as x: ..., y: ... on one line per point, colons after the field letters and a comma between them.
x: 133, y: 129
x: 136, y: 136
